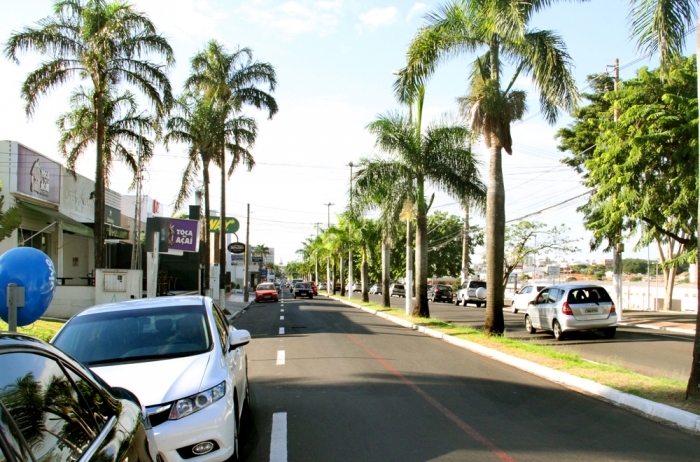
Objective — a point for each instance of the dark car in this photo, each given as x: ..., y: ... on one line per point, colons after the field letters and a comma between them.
x: 440, y: 293
x: 303, y: 289
x: 53, y: 408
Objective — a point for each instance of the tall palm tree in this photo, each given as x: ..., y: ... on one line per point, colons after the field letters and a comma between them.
x: 105, y: 43
x: 231, y: 81
x: 368, y: 233
x: 499, y: 27
x: 195, y: 123
x: 440, y: 156
x: 125, y: 129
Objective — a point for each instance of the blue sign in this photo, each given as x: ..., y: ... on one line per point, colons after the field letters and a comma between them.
x: 263, y: 272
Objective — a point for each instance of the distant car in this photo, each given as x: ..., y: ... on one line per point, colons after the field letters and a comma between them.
x: 398, y: 290
x: 303, y: 289
x: 314, y: 289
x: 572, y: 307
x: 54, y: 408
x: 337, y: 287
x: 525, y: 295
x: 440, y: 293
x: 467, y: 293
x: 375, y: 289
x: 322, y: 286
x: 183, y: 360
x: 266, y: 292
x: 356, y: 287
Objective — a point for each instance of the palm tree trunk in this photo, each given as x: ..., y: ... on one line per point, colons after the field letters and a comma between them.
x: 205, y: 259
x: 342, y: 275
x: 692, y: 392
x: 328, y: 276
x: 495, y: 230
x: 222, y: 225
x: 465, y: 245
x: 421, y: 308
x: 364, y: 276
x: 386, y: 272
x: 99, y: 183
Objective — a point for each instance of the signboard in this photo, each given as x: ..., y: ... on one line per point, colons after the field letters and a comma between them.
x: 113, y: 216
x: 37, y: 176
x: 236, y: 257
x: 232, y: 225
x: 257, y: 259
x: 263, y: 273
x: 175, y: 234
x: 553, y: 271
x: 236, y: 247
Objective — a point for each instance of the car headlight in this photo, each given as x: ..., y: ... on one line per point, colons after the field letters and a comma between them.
x: 186, y: 406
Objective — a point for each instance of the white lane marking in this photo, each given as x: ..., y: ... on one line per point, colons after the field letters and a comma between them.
x: 278, y: 444
x: 282, y: 310
x: 281, y: 330
x: 281, y: 318
x: 280, y: 358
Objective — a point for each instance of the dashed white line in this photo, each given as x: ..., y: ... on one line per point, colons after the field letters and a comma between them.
x: 282, y: 310
x: 280, y: 358
x: 281, y: 330
x: 281, y: 318
x: 278, y: 444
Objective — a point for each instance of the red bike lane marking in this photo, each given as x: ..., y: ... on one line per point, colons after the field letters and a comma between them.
x: 468, y: 429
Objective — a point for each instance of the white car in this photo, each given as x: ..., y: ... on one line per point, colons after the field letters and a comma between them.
x: 181, y: 358
x: 525, y: 295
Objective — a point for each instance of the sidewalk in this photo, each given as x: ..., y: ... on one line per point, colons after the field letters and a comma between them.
x: 235, y: 304
x: 669, y: 321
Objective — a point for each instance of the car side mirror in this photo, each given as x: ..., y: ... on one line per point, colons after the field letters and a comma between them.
x: 238, y: 338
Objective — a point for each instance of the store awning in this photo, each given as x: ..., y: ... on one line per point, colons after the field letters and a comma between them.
x: 66, y: 223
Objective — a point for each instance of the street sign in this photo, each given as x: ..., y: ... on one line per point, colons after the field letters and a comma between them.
x: 553, y: 271
x: 257, y: 259
x: 236, y: 247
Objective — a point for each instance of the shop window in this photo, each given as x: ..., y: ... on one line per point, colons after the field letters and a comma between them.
x: 28, y: 238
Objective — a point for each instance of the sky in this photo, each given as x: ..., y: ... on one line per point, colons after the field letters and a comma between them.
x: 334, y: 61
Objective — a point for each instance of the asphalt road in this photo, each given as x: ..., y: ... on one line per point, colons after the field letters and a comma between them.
x: 647, y: 352
x: 355, y: 387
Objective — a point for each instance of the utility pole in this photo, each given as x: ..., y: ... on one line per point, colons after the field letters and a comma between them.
x: 136, y: 249
x: 465, y: 245
x: 247, y: 254
x: 350, y: 282
x: 329, y: 213
x: 328, y: 260
x: 619, y: 247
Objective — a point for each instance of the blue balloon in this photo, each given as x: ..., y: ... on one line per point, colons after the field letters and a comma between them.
x: 32, y: 269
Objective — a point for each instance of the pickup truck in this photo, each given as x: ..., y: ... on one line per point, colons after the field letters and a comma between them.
x: 467, y: 293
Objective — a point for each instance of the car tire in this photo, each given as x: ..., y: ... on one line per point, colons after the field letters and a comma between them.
x: 433, y: 299
x: 464, y: 302
x: 294, y: 295
x: 311, y: 297
x: 234, y: 457
x: 558, y: 333
x: 456, y: 302
x: 609, y: 332
x: 528, y: 325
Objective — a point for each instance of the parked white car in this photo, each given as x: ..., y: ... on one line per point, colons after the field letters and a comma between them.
x: 182, y: 359
x: 525, y: 295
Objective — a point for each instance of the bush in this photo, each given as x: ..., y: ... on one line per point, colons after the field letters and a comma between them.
x: 635, y: 278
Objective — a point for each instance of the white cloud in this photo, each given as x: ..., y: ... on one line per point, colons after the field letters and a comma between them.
x: 295, y: 17
x: 379, y: 17
x: 416, y: 10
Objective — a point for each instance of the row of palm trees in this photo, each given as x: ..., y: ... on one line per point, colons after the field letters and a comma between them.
x: 107, y: 43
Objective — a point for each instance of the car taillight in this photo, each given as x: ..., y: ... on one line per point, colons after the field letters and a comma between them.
x: 437, y: 290
x: 566, y: 309
x: 612, y: 308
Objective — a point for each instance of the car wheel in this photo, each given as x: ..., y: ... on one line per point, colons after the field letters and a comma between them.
x: 464, y: 302
x: 456, y: 302
x: 433, y: 299
x: 234, y: 457
x: 556, y: 328
x: 528, y: 325
x: 294, y: 295
x: 311, y: 297
x: 609, y: 332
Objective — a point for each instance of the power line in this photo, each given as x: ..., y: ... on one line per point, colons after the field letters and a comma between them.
x: 550, y: 207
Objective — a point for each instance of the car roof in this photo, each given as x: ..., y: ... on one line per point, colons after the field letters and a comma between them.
x: 145, y: 304
x: 13, y: 340
x: 579, y: 285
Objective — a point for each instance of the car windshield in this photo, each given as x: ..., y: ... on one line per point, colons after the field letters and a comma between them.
x: 398, y: 286
x: 478, y: 284
x: 442, y: 287
x: 266, y: 287
x: 588, y: 295
x: 303, y: 285
x: 112, y: 337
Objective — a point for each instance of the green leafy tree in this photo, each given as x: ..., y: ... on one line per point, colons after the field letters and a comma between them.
x: 634, y: 266
x: 231, y: 81
x: 531, y: 238
x: 105, y: 43
x: 445, y: 233
x: 440, y: 156
x: 499, y: 27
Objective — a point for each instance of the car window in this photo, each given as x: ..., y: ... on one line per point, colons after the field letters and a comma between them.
x: 303, y: 285
x: 222, y: 328
x: 526, y: 290
x: 266, y: 287
x: 554, y: 295
x: 542, y: 297
x: 10, y: 437
x: 588, y: 295
x: 101, y: 410
x: 443, y: 287
x: 128, y: 335
x: 477, y: 284
x: 45, y: 406
x: 398, y: 286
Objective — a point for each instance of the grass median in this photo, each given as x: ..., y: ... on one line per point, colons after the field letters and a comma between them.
x: 658, y: 389
x: 43, y: 329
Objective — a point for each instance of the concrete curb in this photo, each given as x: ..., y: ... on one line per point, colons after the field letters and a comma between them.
x: 238, y: 314
x: 676, y: 330
x: 684, y: 419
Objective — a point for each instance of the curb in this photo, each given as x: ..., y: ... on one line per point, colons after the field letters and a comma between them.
x: 676, y: 330
x: 238, y: 314
x: 684, y: 419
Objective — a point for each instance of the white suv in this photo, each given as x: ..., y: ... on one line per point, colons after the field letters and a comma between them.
x: 467, y: 293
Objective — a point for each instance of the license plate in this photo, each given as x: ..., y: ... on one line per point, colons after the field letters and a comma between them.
x: 267, y: 296
x: 591, y: 310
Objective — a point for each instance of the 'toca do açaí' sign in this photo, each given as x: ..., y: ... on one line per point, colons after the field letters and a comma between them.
x: 175, y: 234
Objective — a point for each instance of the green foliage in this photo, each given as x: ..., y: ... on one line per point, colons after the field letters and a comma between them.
x: 634, y: 266
x: 10, y: 220
x: 643, y: 171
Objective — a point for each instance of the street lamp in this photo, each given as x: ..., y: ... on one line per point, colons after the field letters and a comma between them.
x: 350, y: 281
x: 329, y: 213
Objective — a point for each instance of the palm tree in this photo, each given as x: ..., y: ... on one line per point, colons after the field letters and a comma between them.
x: 105, y: 43
x: 368, y: 233
x: 230, y: 81
x: 195, y: 124
x: 439, y: 156
x: 124, y: 128
x: 499, y: 27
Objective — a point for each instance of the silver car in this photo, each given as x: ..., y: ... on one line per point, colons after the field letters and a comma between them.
x: 572, y: 307
x: 397, y: 289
